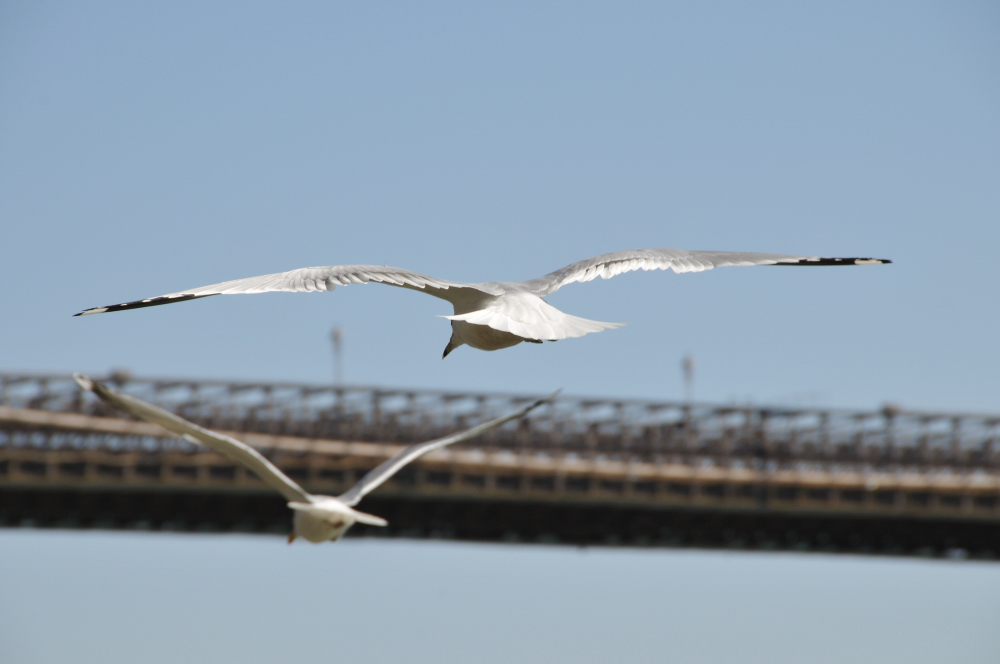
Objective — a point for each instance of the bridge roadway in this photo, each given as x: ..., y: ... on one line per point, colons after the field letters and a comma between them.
x: 581, y: 471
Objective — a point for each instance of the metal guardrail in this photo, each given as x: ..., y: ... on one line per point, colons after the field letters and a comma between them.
x: 890, y: 439
x: 331, y: 467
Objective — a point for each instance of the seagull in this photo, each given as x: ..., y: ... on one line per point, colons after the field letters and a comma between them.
x: 495, y: 314
x: 316, y: 518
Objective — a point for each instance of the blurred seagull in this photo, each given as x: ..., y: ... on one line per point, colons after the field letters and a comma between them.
x: 495, y: 314
x: 317, y: 518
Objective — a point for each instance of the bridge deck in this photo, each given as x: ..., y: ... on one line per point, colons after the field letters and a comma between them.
x: 68, y: 462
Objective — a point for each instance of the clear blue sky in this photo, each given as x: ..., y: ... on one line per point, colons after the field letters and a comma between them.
x: 151, y: 147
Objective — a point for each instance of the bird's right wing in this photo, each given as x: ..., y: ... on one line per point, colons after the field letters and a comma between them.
x: 239, y: 452
x: 678, y: 260
x: 375, y: 477
x: 310, y: 279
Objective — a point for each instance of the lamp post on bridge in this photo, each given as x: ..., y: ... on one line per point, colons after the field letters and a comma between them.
x: 337, y: 337
x: 687, y: 367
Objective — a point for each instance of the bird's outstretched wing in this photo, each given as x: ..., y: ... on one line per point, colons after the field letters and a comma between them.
x: 375, y: 477
x: 239, y: 452
x: 678, y: 260
x: 529, y: 316
x: 309, y: 279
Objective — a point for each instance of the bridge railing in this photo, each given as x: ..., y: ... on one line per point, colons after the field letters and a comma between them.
x: 696, y: 433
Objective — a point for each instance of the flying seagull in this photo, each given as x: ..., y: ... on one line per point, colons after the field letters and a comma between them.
x: 495, y: 314
x: 317, y: 518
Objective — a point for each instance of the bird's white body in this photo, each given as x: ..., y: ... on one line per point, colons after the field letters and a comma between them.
x: 482, y: 337
x: 496, y: 314
x: 325, y: 518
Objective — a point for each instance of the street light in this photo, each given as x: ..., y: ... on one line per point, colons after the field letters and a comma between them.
x: 337, y: 337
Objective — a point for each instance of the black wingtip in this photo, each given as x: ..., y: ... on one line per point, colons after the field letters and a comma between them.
x: 821, y: 262
x: 139, y: 304
x: 95, y: 310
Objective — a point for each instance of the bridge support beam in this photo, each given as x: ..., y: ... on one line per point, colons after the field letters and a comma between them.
x: 509, y: 521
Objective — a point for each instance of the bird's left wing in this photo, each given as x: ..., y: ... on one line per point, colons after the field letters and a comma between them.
x: 311, y: 279
x: 375, y: 477
x: 239, y: 452
x: 678, y: 260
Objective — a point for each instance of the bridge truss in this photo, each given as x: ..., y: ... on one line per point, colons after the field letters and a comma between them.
x: 582, y: 471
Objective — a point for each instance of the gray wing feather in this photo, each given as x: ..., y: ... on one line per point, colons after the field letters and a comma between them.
x: 239, y: 452
x: 375, y: 477
x: 311, y: 279
x: 678, y: 260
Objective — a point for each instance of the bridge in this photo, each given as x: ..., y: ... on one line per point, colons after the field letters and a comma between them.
x: 578, y: 471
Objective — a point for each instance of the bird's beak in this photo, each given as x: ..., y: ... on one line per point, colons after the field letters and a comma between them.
x: 291, y: 537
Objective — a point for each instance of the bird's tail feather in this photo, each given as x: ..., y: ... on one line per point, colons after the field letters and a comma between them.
x: 531, y: 317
